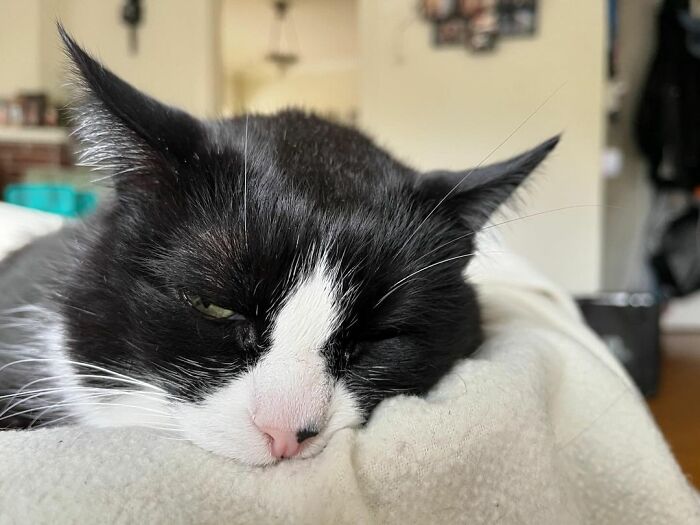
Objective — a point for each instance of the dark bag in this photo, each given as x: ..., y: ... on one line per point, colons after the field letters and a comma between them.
x: 677, y: 259
x: 668, y: 117
x: 628, y: 324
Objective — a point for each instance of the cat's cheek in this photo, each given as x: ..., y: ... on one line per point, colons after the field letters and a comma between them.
x: 222, y: 423
x: 344, y: 412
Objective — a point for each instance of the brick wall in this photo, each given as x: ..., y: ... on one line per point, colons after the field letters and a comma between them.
x: 16, y: 158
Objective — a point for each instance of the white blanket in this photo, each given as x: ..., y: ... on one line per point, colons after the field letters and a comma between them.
x: 540, y: 427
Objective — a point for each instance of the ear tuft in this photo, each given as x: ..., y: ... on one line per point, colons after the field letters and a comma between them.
x: 123, y: 131
x: 477, y: 193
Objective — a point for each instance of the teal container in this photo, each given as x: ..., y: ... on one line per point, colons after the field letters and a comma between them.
x: 54, y: 198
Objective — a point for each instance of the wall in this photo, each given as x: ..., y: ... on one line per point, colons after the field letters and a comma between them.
x: 449, y: 108
x: 628, y: 196
x: 19, y: 44
x: 330, y: 93
x: 326, y: 31
x: 324, y: 35
x: 178, y: 59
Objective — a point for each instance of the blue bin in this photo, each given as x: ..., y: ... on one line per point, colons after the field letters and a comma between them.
x: 54, y: 198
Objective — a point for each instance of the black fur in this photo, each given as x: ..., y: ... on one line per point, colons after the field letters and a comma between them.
x: 231, y: 210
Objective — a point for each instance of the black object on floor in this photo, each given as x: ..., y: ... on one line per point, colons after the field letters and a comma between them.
x: 628, y: 324
x: 677, y: 260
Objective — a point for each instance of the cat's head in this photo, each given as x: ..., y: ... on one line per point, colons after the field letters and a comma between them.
x: 278, y: 276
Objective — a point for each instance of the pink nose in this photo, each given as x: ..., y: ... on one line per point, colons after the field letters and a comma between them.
x: 285, y: 443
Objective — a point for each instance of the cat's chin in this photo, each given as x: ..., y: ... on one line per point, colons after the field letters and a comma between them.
x: 256, y: 457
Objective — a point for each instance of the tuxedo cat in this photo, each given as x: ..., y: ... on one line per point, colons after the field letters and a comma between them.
x: 255, y: 285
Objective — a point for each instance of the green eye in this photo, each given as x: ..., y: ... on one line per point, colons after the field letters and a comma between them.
x: 210, y: 310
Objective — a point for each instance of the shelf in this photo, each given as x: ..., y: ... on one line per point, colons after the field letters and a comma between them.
x: 33, y: 135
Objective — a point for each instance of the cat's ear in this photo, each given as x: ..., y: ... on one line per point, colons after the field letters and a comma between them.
x: 138, y: 141
x: 474, y: 194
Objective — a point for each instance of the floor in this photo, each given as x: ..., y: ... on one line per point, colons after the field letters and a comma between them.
x: 676, y: 406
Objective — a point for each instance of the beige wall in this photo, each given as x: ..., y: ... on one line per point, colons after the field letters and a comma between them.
x: 448, y: 108
x: 326, y: 77
x: 19, y: 46
x: 330, y: 93
x: 178, y: 59
x: 629, y: 195
x: 326, y: 31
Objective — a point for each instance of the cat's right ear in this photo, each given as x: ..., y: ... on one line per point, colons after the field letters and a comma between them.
x: 139, y: 142
x: 475, y: 194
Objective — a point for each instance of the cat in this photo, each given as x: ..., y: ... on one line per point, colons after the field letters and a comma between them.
x: 255, y: 285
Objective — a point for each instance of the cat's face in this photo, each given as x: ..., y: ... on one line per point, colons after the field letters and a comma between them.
x: 276, y: 277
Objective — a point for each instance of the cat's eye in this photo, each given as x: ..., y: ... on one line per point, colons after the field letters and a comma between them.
x: 210, y: 310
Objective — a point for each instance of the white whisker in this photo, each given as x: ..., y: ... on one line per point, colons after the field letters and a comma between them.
x: 486, y: 158
x: 81, y: 364
x: 400, y: 282
x: 69, y: 404
x: 515, y: 219
x: 245, y: 182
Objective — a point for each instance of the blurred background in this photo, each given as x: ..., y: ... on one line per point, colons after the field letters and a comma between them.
x: 612, y: 217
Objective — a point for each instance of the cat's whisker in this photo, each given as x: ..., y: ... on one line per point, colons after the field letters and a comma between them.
x: 84, y: 376
x: 515, y: 219
x: 15, y: 324
x: 33, y: 426
x: 19, y: 309
x: 82, y: 364
x: 173, y: 429
x: 88, y: 394
x: 245, y: 181
x: 62, y: 389
x: 64, y: 404
x: 481, y: 163
x: 366, y: 378
x: 39, y: 391
x: 81, y: 310
x: 169, y: 426
x: 26, y: 396
x: 49, y: 390
x: 402, y: 281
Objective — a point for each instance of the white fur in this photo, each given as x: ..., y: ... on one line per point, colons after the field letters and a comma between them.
x: 52, y: 389
x: 223, y: 423
x: 290, y: 387
x: 35, y: 366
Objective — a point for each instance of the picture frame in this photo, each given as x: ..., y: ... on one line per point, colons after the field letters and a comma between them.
x: 478, y: 24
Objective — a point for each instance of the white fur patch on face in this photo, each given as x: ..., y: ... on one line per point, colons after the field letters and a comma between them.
x: 309, y: 316
x: 135, y: 404
x: 289, y: 389
x: 291, y: 383
x: 49, y: 387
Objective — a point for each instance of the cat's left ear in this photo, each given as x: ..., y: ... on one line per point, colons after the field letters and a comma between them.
x: 476, y: 193
x: 140, y: 142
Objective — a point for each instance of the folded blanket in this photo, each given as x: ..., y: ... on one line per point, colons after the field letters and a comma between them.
x: 541, y: 426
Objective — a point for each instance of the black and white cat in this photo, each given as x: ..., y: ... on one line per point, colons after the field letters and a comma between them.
x: 256, y: 285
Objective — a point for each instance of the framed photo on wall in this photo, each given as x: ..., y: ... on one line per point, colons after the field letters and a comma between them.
x: 437, y: 10
x: 478, y: 24
x: 517, y: 17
